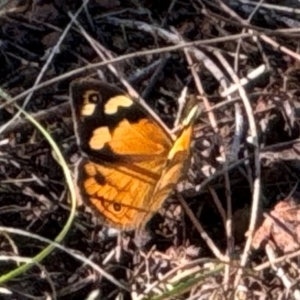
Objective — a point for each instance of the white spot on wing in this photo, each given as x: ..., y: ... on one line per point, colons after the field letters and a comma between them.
x: 113, y: 104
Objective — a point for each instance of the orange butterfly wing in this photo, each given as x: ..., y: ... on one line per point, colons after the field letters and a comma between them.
x: 129, y: 164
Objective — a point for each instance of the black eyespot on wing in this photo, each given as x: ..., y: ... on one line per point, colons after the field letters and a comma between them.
x: 100, y: 179
x: 117, y: 207
x: 94, y: 98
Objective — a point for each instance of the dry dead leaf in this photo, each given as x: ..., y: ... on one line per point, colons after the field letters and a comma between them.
x: 281, y: 226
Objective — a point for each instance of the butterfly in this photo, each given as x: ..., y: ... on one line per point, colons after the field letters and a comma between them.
x: 129, y: 162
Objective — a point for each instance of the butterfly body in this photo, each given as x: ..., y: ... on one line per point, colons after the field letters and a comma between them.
x: 129, y: 162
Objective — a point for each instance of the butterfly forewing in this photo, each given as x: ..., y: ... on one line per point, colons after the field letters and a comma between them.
x: 178, y: 159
